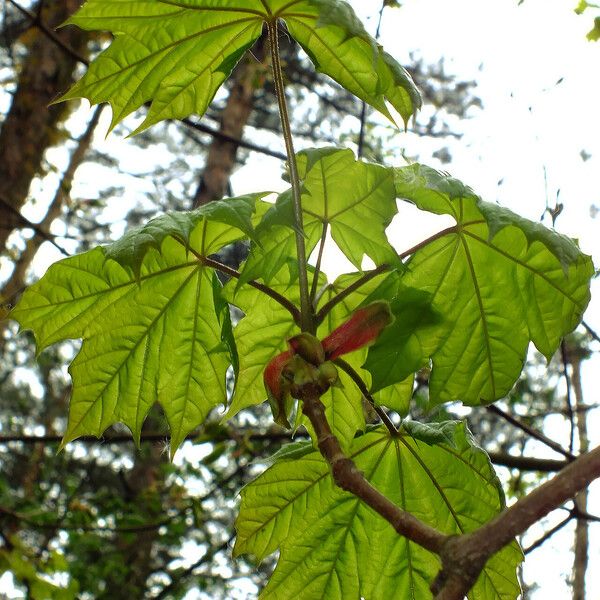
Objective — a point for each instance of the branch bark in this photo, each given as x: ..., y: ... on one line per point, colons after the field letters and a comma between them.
x: 463, y: 557
x: 349, y: 478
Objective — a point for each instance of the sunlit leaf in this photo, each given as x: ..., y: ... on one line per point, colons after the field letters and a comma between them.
x: 176, y: 54
x: 499, y: 281
x: 355, y: 200
x: 405, y: 346
x: 259, y: 336
x: 151, y: 321
x: 333, y: 546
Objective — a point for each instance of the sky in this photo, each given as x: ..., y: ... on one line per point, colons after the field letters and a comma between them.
x: 537, y: 76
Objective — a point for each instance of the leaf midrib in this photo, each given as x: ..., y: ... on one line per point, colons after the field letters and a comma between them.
x: 165, y: 49
x: 482, y: 313
x: 247, y: 11
x: 134, y: 347
x: 109, y: 289
x: 524, y: 265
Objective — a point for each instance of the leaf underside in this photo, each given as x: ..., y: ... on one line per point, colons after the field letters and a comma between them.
x: 151, y: 323
x: 176, y: 54
x: 333, y: 546
x: 498, y: 281
x: 353, y: 200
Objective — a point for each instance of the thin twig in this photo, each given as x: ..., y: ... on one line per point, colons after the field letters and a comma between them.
x: 544, y: 538
x: 363, y: 109
x: 361, y: 385
x: 181, y: 575
x: 47, y: 31
x: 591, y: 331
x: 228, y: 138
x: 58, y: 525
x: 530, y: 431
x: 25, y: 222
x: 568, y: 398
x: 527, y: 463
x: 315, y: 281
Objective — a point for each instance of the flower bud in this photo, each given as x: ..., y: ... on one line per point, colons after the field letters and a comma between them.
x: 308, y: 347
x: 363, y: 328
x: 277, y: 387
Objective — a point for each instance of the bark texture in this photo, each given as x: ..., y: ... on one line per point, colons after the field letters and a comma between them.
x: 221, y: 156
x: 31, y: 126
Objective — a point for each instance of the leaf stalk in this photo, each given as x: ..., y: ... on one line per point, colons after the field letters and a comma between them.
x: 307, y: 321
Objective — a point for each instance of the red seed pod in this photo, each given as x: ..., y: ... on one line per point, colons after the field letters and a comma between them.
x: 272, y: 376
x: 277, y: 387
x: 363, y: 328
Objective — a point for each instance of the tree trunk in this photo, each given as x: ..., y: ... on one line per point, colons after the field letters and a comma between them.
x: 220, y: 160
x: 15, y: 284
x: 580, y: 562
x: 31, y: 125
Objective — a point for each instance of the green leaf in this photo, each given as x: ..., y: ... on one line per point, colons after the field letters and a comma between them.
x: 343, y: 403
x: 498, y: 280
x: 275, y: 244
x: 355, y: 200
x: 334, y: 546
x: 234, y: 214
x: 259, y: 336
x: 339, y: 46
x: 405, y: 346
x: 383, y: 287
x: 176, y: 54
x: 594, y: 33
x: 152, y: 323
x: 432, y: 433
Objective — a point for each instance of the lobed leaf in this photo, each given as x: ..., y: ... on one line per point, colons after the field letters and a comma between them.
x: 151, y: 319
x: 353, y: 199
x: 259, y: 336
x: 334, y: 546
x: 175, y: 54
x: 405, y: 346
x: 498, y: 280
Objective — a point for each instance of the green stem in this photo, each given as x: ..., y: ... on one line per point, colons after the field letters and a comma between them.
x: 315, y: 281
x: 306, y: 311
x: 364, y: 390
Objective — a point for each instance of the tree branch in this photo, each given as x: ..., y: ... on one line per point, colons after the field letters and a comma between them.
x: 591, y: 331
x: 527, y: 463
x: 542, y: 540
x: 48, y: 32
x: 530, y: 431
x: 37, y: 228
x: 463, y: 557
x: 349, y: 478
